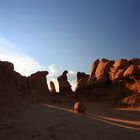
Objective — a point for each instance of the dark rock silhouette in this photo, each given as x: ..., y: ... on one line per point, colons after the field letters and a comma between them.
x: 134, y: 61
x: 81, y: 80
x: 64, y: 85
x: 81, y: 75
x: 6, y: 73
x: 38, y: 81
x: 21, y: 82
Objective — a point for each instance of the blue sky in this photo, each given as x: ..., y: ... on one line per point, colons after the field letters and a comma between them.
x: 67, y: 34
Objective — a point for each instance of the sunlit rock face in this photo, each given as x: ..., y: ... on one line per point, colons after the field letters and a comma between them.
x: 132, y: 72
x: 105, y: 70
x: 64, y: 85
x: 102, y: 70
x: 117, y: 70
x: 108, y: 74
x: 38, y: 81
x: 52, y: 88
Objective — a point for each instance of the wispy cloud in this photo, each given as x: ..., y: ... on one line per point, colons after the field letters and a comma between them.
x: 23, y: 64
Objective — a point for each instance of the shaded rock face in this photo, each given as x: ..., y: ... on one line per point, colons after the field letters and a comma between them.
x: 21, y: 82
x: 11, y: 78
x: 6, y: 72
x: 14, y: 86
x: 134, y: 61
x: 38, y: 81
x: 64, y: 85
x: 93, y: 70
x: 102, y: 71
x: 6, y: 68
x: 81, y: 75
x: 52, y: 88
x: 81, y: 80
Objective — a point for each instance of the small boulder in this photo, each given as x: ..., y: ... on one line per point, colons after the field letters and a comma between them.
x: 79, y: 108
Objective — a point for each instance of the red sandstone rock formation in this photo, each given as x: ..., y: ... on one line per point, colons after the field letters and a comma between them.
x: 132, y: 72
x: 103, y: 70
x: 117, y: 70
x: 6, y: 73
x: 134, y: 61
x: 81, y: 80
x: 123, y: 75
x: 52, y: 88
x: 6, y: 68
x: 82, y: 75
x: 21, y: 82
x: 64, y: 85
x: 38, y: 81
x: 93, y: 69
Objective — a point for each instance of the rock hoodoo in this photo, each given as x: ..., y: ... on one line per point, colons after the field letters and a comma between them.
x: 38, y: 81
x: 52, y: 88
x: 64, y: 85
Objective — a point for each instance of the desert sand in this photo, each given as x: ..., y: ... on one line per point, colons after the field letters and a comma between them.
x: 49, y: 122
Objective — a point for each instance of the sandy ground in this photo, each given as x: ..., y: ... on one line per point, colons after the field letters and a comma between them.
x: 47, y: 122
